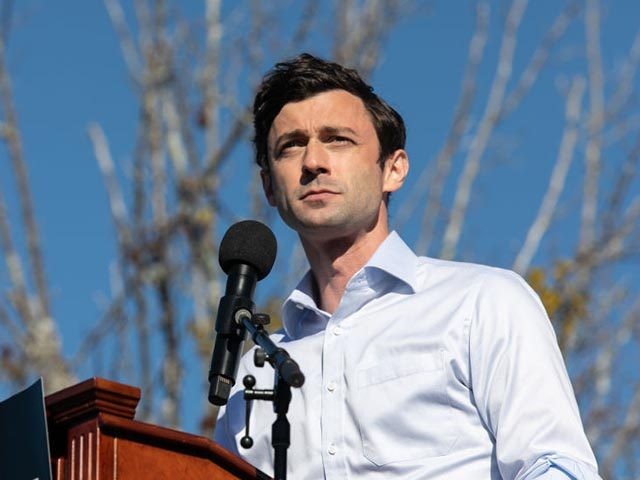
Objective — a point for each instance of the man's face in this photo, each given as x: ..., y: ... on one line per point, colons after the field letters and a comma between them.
x: 324, y: 174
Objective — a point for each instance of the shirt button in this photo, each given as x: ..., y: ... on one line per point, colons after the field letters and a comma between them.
x: 331, y: 386
x: 337, y: 330
x: 332, y: 449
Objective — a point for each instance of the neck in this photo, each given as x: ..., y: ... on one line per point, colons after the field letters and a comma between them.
x: 334, y: 261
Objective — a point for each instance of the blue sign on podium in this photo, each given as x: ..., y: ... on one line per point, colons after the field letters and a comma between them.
x: 24, y: 444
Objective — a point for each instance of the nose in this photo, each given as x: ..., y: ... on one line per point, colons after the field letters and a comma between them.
x: 315, y: 159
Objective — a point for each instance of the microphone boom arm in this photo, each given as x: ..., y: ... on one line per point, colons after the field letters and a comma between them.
x: 282, y: 363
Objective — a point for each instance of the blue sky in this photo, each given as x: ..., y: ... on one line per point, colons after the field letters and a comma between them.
x: 67, y: 71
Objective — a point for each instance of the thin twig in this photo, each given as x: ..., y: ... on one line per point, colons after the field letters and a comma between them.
x: 116, y: 198
x: 452, y: 144
x: 596, y: 119
x: 127, y: 44
x: 539, y: 58
x: 209, y: 77
x: 485, y: 129
x: 11, y: 134
x: 626, y: 79
x: 557, y: 180
x: 19, y: 294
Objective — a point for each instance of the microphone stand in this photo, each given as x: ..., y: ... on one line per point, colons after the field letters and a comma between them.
x: 287, y: 374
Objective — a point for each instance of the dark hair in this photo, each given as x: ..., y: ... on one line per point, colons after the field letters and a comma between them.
x: 305, y: 76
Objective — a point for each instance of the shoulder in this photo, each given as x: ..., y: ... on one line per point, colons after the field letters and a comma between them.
x: 485, y: 289
x: 477, y: 276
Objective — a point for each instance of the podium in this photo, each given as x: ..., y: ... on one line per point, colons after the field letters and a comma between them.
x: 93, y: 436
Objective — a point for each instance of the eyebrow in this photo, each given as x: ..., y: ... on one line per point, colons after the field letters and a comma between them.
x: 336, y: 130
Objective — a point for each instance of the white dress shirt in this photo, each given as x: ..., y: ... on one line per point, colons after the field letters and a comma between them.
x: 428, y: 369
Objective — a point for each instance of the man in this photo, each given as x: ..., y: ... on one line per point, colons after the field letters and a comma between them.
x: 415, y: 368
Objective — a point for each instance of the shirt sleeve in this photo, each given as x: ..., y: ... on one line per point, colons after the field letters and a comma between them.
x: 521, y: 387
x: 554, y: 467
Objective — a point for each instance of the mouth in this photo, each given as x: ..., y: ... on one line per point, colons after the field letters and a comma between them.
x: 317, y: 194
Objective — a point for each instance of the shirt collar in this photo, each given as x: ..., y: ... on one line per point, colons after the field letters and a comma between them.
x: 395, y: 258
x: 392, y: 258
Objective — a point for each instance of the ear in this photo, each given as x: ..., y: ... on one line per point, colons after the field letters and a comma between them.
x: 396, y: 168
x: 267, y: 186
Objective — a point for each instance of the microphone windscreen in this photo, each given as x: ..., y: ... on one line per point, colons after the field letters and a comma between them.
x: 251, y: 243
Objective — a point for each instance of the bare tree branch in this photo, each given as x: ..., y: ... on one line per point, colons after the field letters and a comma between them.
x: 525, y: 82
x: 11, y: 135
x: 41, y: 343
x: 604, y: 363
x: 627, y: 173
x: 127, y: 45
x: 360, y: 31
x: 209, y: 77
x: 540, y: 57
x: 558, y: 177
x: 485, y: 129
x: 596, y: 118
x: 630, y: 424
x: 19, y: 295
x: 625, y: 82
x: 452, y: 144
x: 116, y: 199
x: 10, y: 324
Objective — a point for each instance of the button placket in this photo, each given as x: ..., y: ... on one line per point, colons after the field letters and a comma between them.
x: 332, y: 401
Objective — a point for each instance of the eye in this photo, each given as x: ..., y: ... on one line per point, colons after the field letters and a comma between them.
x: 288, y: 146
x: 339, y: 140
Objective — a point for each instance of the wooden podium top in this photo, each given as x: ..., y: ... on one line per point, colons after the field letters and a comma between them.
x: 93, y: 436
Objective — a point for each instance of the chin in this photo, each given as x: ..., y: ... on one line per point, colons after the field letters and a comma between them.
x: 323, y: 222
x: 327, y: 224
x: 326, y: 230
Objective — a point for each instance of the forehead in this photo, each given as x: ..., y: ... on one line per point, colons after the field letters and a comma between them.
x: 334, y: 108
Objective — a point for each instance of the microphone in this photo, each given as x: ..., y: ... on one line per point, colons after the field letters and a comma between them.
x: 247, y: 253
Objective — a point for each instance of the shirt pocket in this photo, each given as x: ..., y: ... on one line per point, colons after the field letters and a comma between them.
x: 403, y: 410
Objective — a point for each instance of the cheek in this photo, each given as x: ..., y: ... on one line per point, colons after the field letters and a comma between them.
x: 368, y: 181
x: 279, y: 187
